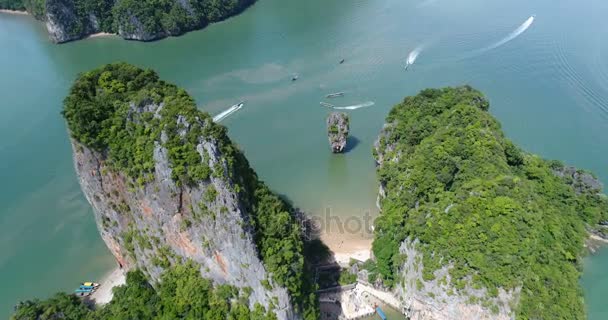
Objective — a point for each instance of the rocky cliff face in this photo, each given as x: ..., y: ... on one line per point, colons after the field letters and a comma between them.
x: 437, y: 299
x: 197, y: 198
x: 64, y: 23
x: 159, y: 224
x: 337, y: 131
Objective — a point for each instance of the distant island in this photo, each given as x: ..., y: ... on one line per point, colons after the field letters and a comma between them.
x: 145, y: 20
x: 471, y: 226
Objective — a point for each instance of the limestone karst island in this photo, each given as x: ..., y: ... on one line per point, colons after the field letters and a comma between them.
x: 341, y: 160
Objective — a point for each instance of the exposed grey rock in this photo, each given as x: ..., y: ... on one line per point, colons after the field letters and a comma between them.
x: 438, y: 300
x: 581, y: 181
x: 337, y: 130
x: 64, y: 24
x: 156, y: 224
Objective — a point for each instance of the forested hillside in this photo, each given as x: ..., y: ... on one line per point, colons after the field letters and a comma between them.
x: 494, y: 216
x: 183, y: 294
x: 132, y: 19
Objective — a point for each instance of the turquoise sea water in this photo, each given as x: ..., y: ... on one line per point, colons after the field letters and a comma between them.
x: 548, y: 87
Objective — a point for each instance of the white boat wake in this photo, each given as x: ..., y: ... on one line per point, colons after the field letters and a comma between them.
x: 521, y: 29
x: 225, y: 114
x: 356, y: 106
x: 411, y: 58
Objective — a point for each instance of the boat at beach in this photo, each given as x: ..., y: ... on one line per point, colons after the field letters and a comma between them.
x: 335, y: 95
x: 380, y: 313
x: 90, y: 284
x: 83, y: 287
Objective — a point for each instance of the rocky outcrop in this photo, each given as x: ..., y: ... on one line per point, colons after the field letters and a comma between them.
x: 337, y: 131
x: 64, y: 23
x: 581, y: 181
x: 438, y: 300
x: 198, y: 199
x: 159, y: 224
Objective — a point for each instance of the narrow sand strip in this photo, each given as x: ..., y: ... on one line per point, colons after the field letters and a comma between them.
x: 104, y: 293
x: 19, y: 12
x: 99, y: 34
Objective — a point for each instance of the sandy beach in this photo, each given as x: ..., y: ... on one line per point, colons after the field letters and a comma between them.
x: 345, y: 247
x: 99, y: 34
x: 104, y: 293
x: 13, y: 12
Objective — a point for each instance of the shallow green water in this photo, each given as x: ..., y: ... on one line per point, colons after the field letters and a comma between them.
x: 549, y: 88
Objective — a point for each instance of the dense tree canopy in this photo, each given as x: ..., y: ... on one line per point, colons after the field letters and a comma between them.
x: 182, y: 294
x: 477, y: 202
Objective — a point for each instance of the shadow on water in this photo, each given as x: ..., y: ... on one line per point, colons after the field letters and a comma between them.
x: 351, y: 143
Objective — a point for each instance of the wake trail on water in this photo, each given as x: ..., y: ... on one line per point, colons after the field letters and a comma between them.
x: 225, y: 114
x: 411, y: 58
x: 510, y: 37
x: 356, y: 106
x: 519, y: 31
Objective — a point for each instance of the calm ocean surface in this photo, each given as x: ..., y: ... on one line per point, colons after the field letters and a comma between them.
x: 547, y: 80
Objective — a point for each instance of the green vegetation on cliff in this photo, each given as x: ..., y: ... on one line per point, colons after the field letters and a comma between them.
x: 100, y: 115
x: 182, y: 294
x: 134, y: 19
x: 12, y: 4
x: 500, y: 217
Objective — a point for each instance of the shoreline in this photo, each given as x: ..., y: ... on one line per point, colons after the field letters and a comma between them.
x: 344, y: 248
x: 597, y: 238
x: 99, y: 35
x: 16, y: 12
x: 104, y: 293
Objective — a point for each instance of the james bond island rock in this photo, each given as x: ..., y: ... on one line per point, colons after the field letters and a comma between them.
x: 472, y: 227
x: 337, y: 131
x: 168, y: 186
x: 145, y: 20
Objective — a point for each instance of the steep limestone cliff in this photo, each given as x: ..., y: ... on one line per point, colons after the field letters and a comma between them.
x: 65, y: 23
x: 167, y: 185
x: 337, y: 131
